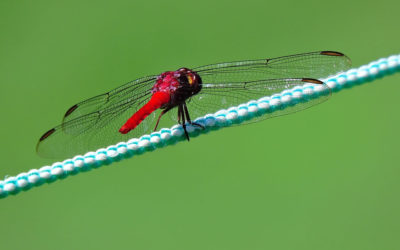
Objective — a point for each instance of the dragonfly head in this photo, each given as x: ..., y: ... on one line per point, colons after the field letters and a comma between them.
x: 189, y: 80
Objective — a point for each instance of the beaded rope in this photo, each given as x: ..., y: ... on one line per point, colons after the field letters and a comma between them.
x: 221, y: 119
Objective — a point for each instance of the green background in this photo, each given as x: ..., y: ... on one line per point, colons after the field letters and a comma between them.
x: 324, y: 178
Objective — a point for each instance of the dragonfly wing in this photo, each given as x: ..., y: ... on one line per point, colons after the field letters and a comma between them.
x: 92, y: 131
x: 317, y: 65
x: 214, y: 97
x: 130, y: 90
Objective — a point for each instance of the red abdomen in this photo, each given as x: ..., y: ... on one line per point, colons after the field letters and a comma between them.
x: 158, y: 99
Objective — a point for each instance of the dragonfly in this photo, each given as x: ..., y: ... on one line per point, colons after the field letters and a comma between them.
x: 145, y: 104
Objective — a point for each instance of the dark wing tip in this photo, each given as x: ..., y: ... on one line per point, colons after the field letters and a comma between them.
x: 312, y: 80
x: 331, y: 53
x: 47, y: 134
x: 70, y: 110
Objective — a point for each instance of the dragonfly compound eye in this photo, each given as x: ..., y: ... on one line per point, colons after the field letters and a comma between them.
x: 184, y: 79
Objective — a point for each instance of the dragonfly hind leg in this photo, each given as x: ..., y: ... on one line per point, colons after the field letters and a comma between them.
x: 159, y: 117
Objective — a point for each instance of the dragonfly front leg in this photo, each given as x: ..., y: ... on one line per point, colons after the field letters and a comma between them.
x: 181, y: 113
x: 188, y: 117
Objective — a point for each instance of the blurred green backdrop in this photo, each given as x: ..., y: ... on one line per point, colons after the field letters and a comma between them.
x: 324, y: 178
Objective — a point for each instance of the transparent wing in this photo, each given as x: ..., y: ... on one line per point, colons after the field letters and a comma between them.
x: 214, y: 97
x: 92, y: 130
x: 96, y: 130
x: 316, y: 65
x: 95, y: 122
x: 129, y: 91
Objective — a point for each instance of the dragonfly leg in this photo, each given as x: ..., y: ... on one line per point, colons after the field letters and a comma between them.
x: 159, y: 117
x: 188, y: 117
x: 198, y: 125
x: 179, y: 116
x: 182, y: 113
x: 186, y: 113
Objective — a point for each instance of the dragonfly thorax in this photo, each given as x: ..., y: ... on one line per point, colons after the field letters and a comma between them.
x: 180, y: 85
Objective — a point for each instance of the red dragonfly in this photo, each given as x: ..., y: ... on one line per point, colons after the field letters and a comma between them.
x: 140, y: 106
